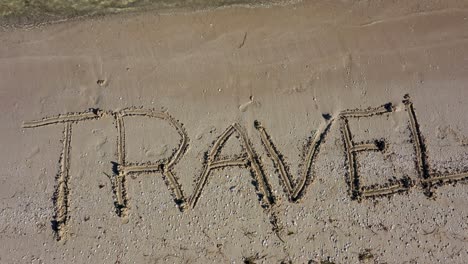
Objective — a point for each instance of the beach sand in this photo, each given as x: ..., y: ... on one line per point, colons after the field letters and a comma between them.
x: 314, y: 132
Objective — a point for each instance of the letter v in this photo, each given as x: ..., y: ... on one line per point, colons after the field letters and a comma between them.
x: 295, y: 190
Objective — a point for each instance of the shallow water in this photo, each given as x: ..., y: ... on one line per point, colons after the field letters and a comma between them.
x: 23, y: 12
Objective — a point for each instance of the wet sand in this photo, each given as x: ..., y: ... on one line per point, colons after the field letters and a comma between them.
x: 317, y: 132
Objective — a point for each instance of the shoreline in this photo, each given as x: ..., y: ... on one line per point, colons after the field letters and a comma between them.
x: 23, y: 22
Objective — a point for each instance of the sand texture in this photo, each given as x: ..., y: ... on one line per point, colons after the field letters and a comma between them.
x: 315, y: 132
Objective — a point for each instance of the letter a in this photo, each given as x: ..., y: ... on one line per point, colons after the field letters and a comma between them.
x: 248, y: 159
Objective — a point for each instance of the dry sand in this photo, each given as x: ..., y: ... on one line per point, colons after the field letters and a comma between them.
x: 319, y: 132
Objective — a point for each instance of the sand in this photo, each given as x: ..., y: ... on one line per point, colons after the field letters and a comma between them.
x: 316, y: 132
